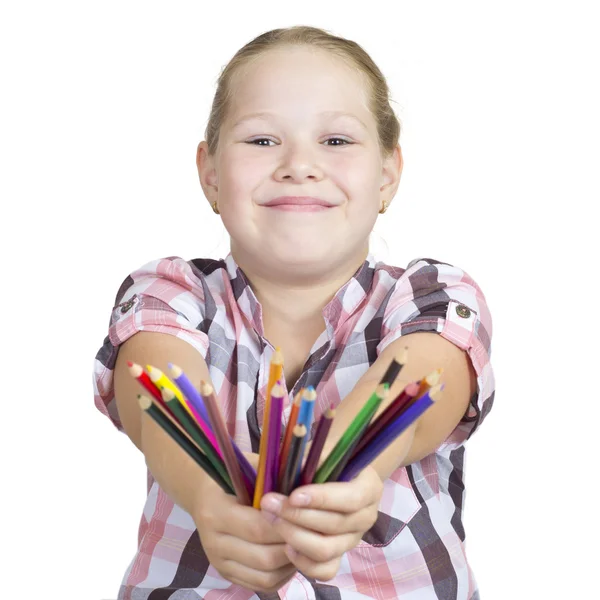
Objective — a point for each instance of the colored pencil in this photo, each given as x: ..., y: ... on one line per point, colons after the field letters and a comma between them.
x: 356, y: 427
x: 305, y: 417
x: 196, y: 405
x: 285, y: 445
x: 390, y: 433
x: 189, y: 391
x: 293, y: 460
x: 194, y: 431
x: 312, y: 461
x: 162, y: 418
x: 136, y: 371
x: 274, y: 436
x: 388, y: 415
x: 160, y: 380
x: 247, y: 469
x: 224, y: 440
x: 395, y: 367
x: 428, y: 382
x: 275, y: 372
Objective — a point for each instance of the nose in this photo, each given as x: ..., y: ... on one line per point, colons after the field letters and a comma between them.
x: 298, y: 163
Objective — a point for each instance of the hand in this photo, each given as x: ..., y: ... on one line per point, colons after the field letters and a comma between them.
x: 333, y: 520
x: 239, y: 542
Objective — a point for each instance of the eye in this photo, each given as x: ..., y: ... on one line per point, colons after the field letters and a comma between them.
x: 253, y: 142
x: 346, y: 142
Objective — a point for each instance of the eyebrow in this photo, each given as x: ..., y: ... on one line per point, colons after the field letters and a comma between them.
x: 265, y: 116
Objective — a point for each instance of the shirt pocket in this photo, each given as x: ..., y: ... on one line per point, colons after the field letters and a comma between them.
x: 398, y: 505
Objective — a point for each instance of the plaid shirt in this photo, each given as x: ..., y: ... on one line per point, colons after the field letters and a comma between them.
x: 416, y: 549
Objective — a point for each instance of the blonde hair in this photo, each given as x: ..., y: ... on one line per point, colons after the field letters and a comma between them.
x: 388, y: 124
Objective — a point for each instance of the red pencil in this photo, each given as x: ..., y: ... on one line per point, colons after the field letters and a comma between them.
x: 136, y: 371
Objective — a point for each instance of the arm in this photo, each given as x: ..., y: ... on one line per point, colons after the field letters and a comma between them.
x: 427, y: 351
x: 239, y: 543
x: 171, y: 467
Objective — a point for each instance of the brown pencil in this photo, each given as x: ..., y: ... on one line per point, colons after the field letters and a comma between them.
x: 220, y: 430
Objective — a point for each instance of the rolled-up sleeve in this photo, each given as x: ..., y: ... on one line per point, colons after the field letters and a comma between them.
x: 163, y: 296
x: 435, y: 296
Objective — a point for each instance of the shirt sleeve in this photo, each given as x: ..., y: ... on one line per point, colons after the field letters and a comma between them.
x: 164, y: 296
x: 435, y: 296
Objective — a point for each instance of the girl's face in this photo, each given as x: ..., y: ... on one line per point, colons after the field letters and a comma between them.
x: 299, y: 126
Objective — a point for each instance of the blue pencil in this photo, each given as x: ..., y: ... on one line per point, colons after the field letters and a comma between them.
x: 305, y: 417
x: 389, y: 434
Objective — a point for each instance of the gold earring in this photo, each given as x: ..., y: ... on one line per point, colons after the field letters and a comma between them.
x: 383, y: 208
x: 215, y: 209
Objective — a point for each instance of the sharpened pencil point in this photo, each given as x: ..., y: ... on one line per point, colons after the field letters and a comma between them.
x: 135, y: 369
x: 167, y: 394
x: 175, y: 370
x: 436, y: 391
x: 144, y: 402
x: 205, y: 388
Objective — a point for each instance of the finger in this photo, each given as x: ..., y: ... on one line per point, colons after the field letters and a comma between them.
x: 256, y: 556
x: 323, y: 521
x: 342, y: 496
x: 314, y: 545
x: 323, y: 571
x: 249, y: 524
x: 255, y: 580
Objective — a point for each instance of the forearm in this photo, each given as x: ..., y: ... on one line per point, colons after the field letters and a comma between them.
x: 393, y: 457
x: 426, y: 353
x: 176, y: 472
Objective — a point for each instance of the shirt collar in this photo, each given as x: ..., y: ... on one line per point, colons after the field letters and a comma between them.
x: 341, y: 307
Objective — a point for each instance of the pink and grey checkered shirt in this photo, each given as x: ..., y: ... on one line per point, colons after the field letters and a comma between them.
x: 416, y: 549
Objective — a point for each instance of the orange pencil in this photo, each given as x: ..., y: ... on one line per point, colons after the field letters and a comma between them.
x: 275, y: 371
x: 428, y: 382
x: 285, y: 445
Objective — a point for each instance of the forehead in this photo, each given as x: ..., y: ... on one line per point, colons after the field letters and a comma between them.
x: 293, y: 80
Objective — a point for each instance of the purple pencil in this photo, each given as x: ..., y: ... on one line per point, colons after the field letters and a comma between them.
x: 390, y: 433
x: 314, y: 454
x: 273, y: 439
x: 189, y: 391
x: 197, y: 403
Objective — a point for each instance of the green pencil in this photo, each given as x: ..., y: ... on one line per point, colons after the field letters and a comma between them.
x: 354, y: 431
x: 167, y: 423
x: 186, y: 421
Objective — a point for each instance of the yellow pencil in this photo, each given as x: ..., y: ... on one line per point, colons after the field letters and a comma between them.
x: 275, y: 371
x: 159, y: 379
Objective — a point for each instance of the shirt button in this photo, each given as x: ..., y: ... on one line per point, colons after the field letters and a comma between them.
x: 463, y: 311
x: 127, y: 305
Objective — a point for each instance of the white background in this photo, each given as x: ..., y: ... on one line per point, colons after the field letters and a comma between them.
x: 103, y: 105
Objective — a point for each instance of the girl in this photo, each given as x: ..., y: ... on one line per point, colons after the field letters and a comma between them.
x: 301, y: 155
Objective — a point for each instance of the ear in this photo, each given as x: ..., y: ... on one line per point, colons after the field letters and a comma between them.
x: 207, y: 173
x: 390, y: 176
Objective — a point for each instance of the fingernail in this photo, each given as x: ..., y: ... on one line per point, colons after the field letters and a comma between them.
x: 301, y: 499
x: 291, y: 552
x: 271, y: 503
x: 269, y: 516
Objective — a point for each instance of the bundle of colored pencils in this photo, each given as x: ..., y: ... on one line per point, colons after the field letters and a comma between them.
x: 193, y: 420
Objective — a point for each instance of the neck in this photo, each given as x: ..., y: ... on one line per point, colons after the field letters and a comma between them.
x: 296, y: 302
